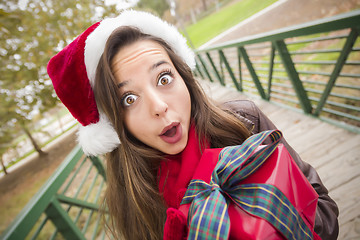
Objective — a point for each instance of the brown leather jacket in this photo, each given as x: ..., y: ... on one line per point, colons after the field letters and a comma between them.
x: 326, y: 222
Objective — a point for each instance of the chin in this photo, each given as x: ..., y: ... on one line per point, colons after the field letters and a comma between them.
x: 173, y: 152
x: 175, y: 149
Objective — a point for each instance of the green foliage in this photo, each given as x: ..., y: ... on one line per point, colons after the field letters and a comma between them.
x: 212, y: 25
x: 29, y: 37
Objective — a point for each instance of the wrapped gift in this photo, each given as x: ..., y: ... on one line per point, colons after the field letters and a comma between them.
x: 250, y: 192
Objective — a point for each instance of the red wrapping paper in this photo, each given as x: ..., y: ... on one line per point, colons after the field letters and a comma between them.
x: 279, y: 170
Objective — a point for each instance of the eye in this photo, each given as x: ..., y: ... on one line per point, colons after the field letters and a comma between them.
x: 165, y: 79
x: 129, y: 99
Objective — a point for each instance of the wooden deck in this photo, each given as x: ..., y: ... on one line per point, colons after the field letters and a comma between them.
x: 333, y: 151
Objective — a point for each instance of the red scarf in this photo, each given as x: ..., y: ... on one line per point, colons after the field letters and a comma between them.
x: 176, y: 171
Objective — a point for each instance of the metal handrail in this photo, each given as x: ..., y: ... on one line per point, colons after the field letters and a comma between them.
x: 318, y: 59
x: 70, y: 194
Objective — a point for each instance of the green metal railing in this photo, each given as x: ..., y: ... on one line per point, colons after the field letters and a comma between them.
x: 312, y: 67
x: 67, y: 206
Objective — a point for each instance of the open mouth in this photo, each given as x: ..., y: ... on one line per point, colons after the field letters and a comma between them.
x: 172, y: 133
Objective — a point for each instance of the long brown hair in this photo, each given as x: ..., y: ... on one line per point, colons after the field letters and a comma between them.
x: 137, y: 210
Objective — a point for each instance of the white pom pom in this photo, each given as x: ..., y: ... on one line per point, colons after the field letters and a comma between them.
x: 98, y: 138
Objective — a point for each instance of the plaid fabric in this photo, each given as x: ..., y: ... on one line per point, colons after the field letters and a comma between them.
x: 208, y: 216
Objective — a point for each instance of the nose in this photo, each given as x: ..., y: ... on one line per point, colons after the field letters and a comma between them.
x: 157, y: 106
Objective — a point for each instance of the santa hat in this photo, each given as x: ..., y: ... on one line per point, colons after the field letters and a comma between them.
x: 72, y: 72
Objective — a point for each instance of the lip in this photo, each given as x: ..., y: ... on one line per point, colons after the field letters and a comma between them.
x: 176, y: 137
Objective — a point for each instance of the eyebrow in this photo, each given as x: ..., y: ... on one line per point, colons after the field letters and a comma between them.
x: 120, y: 85
x: 156, y: 65
x: 159, y: 64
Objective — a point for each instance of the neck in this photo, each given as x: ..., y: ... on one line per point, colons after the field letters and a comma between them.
x: 176, y: 171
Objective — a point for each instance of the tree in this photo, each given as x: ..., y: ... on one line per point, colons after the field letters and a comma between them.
x: 7, y: 128
x: 29, y: 37
x: 5, y: 136
x: 22, y: 58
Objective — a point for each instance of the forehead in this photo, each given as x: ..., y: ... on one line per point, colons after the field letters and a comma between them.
x: 142, y: 50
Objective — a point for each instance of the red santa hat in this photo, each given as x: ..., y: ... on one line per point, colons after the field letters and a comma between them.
x: 72, y: 72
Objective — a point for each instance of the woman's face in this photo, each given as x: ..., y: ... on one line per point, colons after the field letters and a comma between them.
x: 155, y: 98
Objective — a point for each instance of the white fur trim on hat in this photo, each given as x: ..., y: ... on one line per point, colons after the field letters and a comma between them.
x: 98, y: 138
x: 148, y: 24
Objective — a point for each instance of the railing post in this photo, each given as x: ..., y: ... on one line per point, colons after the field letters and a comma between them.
x: 215, y: 70
x: 294, y: 76
x: 221, y: 63
x: 240, y: 71
x: 205, y: 68
x: 99, y: 166
x: 227, y: 65
x: 63, y: 222
x: 198, y: 69
x: 252, y: 72
x: 337, y: 69
x: 271, y: 68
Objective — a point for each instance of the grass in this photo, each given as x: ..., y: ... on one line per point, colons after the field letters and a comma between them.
x: 230, y: 15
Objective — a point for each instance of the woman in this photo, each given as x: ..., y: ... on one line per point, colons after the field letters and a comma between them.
x: 129, y: 80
